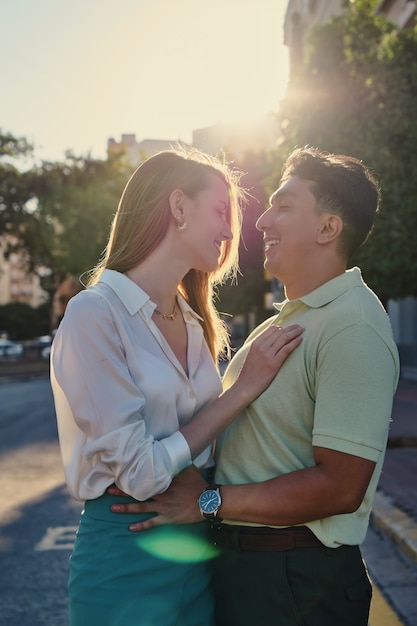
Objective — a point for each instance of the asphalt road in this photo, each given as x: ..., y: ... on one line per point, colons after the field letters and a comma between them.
x: 34, y: 570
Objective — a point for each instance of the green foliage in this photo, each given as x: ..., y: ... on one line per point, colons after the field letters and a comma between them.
x: 356, y: 94
x: 77, y: 201
x: 21, y: 228
x: 21, y: 321
x: 12, y: 146
x: 57, y: 215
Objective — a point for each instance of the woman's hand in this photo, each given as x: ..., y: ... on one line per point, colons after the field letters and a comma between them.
x: 264, y: 359
x: 177, y: 505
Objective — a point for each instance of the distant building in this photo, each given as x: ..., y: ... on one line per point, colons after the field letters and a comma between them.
x: 260, y: 134
x: 402, y: 12
x: 16, y: 284
x: 299, y: 17
x: 138, y: 151
x: 236, y: 139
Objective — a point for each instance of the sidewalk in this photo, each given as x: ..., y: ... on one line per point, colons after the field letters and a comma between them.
x: 395, y: 504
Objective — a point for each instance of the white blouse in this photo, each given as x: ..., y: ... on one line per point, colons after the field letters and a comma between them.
x: 121, y: 394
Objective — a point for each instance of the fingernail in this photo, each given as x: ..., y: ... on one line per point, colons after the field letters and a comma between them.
x: 134, y: 527
x: 116, y: 507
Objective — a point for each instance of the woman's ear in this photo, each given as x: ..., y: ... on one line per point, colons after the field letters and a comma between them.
x: 331, y: 228
x: 176, y: 201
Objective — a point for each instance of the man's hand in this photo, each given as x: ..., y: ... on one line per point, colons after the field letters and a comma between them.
x: 177, y: 505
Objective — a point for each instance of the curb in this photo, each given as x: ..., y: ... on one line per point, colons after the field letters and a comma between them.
x: 21, y: 371
x: 399, y: 526
x: 406, y: 441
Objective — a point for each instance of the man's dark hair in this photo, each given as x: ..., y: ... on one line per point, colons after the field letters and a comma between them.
x: 341, y: 185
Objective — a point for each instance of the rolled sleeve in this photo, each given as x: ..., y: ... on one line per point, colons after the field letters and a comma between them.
x: 95, y: 392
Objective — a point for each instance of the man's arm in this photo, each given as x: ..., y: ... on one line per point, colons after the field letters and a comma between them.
x: 335, y: 485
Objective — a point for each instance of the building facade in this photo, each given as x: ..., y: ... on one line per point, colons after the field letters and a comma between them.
x: 16, y: 283
x: 138, y: 151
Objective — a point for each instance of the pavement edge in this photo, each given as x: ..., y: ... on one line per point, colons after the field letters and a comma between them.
x: 396, y: 523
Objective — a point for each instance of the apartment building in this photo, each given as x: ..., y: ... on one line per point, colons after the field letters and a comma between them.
x: 16, y: 284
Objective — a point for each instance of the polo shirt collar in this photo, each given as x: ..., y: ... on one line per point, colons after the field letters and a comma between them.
x: 329, y: 291
x: 134, y: 298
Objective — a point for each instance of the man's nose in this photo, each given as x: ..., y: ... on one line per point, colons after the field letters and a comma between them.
x: 262, y: 221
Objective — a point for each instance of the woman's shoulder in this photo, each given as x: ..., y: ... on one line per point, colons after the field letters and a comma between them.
x: 89, y: 302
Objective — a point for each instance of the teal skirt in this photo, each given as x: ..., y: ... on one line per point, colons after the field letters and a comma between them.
x: 158, y: 577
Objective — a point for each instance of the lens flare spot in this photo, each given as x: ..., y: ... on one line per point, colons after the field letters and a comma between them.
x: 177, y: 545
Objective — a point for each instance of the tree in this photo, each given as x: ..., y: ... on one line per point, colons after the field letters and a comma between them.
x: 15, y: 193
x: 22, y: 321
x: 56, y: 215
x: 76, y: 203
x: 356, y: 94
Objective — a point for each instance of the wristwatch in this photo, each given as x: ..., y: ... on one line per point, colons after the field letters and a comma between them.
x: 209, y: 503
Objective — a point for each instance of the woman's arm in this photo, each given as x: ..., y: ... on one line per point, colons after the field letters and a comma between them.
x: 100, y: 409
x: 263, y: 361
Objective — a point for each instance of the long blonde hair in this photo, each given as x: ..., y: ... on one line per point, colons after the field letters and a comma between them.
x: 142, y: 221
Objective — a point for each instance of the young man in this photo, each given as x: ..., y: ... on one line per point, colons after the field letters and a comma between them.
x: 298, y: 469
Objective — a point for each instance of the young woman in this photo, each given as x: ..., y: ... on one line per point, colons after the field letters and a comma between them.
x: 136, y: 387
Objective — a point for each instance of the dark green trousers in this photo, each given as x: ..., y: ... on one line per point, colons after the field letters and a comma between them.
x: 298, y: 587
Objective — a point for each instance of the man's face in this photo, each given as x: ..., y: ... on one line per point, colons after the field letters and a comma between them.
x: 290, y: 228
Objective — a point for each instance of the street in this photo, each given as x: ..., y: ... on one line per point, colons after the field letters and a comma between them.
x: 34, y: 571
x: 38, y: 521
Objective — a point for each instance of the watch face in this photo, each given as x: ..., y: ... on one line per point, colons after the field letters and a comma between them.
x: 209, y: 501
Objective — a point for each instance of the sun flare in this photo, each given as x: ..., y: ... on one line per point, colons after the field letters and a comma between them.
x: 156, y: 68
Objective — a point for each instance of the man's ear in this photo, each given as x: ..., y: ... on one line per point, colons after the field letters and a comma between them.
x: 331, y: 228
x: 176, y: 201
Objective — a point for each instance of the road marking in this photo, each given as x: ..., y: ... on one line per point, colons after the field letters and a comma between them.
x: 381, y: 614
x: 57, y: 538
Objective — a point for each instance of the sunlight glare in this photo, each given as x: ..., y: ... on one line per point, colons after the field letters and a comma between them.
x: 155, y: 68
x: 176, y: 544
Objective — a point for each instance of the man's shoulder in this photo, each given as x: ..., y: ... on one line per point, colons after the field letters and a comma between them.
x: 262, y: 326
x: 361, y: 303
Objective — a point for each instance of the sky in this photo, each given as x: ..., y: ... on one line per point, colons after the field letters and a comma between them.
x: 76, y: 72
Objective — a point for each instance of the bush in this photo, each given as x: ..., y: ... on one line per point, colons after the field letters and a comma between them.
x: 21, y: 321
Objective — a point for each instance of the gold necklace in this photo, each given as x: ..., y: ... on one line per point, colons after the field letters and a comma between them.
x: 168, y: 316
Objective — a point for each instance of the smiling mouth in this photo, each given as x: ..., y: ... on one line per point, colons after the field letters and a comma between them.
x: 270, y: 243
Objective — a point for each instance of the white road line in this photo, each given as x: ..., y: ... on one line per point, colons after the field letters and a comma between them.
x: 57, y: 538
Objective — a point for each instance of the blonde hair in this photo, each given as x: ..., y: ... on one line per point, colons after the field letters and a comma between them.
x: 143, y: 217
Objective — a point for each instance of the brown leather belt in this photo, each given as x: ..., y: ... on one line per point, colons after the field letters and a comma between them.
x: 263, y: 539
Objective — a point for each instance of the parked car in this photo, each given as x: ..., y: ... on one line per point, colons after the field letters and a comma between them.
x: 36, y: 348
x: 46, y: 353
x: 10, y: 349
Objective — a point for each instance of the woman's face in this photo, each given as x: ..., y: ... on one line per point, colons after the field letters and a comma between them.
x: 208, y: 225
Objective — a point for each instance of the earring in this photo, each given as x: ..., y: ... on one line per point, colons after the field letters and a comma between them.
x: 182, y: 226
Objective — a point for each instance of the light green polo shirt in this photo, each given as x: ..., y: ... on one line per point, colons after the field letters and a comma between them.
x: 335, y: 391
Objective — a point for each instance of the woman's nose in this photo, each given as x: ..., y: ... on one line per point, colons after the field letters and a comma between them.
x: 227, y: 232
